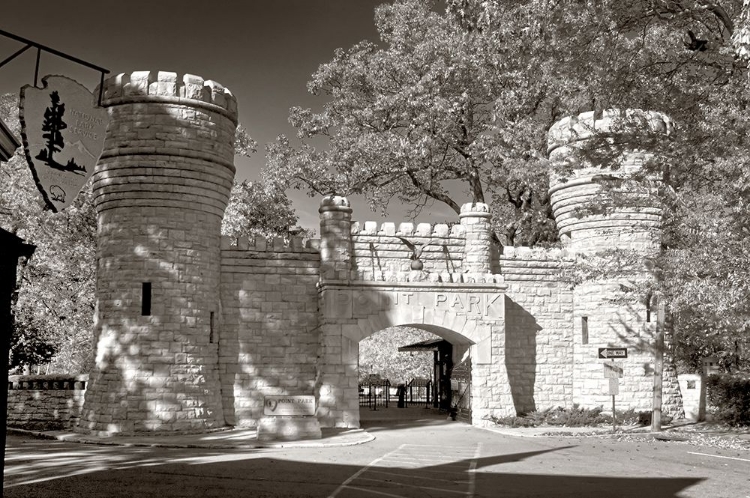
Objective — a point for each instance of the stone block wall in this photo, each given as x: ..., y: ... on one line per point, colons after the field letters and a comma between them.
x: 45, y: 402
x: 611, y: 324
x: 268, y: 344
x: 538, y: 328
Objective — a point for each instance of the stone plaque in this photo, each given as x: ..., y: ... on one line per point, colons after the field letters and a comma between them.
x: 289, y: 405
x: 63, y: 137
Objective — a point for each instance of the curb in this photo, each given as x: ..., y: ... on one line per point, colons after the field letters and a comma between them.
x: 353, y: 437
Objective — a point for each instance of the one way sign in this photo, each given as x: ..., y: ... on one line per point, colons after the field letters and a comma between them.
x: 606, y: 353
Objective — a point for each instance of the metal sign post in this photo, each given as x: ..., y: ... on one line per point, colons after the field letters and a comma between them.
x: 658, y: 368
x: 613, y: 371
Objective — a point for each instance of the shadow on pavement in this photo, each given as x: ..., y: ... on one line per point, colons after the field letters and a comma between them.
x: 59, y: 470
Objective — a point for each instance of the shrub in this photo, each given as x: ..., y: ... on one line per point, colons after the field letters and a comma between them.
x: 576, y: 417
x: 730, y: 398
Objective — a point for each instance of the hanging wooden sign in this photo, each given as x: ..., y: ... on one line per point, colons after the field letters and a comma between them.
x: 63, y: 137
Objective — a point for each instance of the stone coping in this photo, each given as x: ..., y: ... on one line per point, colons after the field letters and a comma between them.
x: 48, y: 382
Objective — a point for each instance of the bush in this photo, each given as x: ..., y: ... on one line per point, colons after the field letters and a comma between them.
x: 730, y: 398
x: 576, y: 417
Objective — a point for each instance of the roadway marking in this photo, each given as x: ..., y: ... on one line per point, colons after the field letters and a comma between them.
x: 719, y: 456
x: 362, y: 471
x: 399, y: 465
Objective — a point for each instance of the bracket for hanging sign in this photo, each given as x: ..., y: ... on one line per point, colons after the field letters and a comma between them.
x: 39, y: 48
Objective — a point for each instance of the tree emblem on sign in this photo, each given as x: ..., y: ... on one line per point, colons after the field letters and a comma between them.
x: 52, y: 125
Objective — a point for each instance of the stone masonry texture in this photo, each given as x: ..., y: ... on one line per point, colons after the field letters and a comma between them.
x: 193, y: 330
x: 160, y: 190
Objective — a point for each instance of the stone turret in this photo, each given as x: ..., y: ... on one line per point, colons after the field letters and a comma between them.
x: 160, y: 190
x: 603, y: 208
x: 335, y: 237
x: 624, y: 224
x: 477, y: 220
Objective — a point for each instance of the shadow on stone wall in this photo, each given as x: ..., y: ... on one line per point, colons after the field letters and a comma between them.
x: 520, y: 354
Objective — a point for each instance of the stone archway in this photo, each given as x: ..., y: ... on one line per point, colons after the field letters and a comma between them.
x: 469, y: 315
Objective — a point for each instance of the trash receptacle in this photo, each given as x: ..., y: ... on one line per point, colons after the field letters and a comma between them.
x: 401, y: 391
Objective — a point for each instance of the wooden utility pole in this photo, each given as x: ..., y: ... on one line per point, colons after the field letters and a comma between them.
x: 658, y: 368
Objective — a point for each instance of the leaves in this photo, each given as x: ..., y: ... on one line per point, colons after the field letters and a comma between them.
x: 256, y: 208
x: 379, y: 355
x: 430, y: 106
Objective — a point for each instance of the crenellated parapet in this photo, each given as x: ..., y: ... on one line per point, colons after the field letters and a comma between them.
x: 424, y: 252
x: 275, y: 244
x: 170, y: 143
x: 387, y: 250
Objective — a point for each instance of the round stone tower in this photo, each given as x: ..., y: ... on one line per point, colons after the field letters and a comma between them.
x: 604, y: 208
x: 160, y: 190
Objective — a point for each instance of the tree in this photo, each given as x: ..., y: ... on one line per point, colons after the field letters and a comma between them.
x: 51, y: 126
x: 436, y: 104
x: 379, y: 356
x: 687, y: 60
x: 256, y: 208
x: 468, y: 94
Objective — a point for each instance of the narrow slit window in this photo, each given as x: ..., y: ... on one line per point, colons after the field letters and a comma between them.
x: 584, y: 330
x: 146, y: 299
x: 211, y: 328
x: 648, y: 310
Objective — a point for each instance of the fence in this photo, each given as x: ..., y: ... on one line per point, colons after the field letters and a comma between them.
x: 419, y: 391
x: 376, y: 393
x: 381, y: 393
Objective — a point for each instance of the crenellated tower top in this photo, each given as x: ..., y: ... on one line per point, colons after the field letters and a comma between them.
x: 168, y: 87
x: 590, y: 216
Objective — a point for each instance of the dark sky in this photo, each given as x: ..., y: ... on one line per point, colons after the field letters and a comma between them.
x: 263, y: 51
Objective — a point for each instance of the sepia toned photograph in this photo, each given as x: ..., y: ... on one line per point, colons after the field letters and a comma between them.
x: 375, y: 248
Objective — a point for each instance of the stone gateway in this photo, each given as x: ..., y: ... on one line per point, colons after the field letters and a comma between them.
x: 194, y: 331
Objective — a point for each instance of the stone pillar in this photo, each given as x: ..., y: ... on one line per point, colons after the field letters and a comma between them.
x: 477, y: 221
x: 335, y: 238
x: 160, y: 190
x: 592, y: 218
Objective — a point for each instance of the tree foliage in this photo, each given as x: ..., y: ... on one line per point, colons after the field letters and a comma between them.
x: 256, y: 208
x: 379, y: 356
x: 467, y: 94
x: 433, y: 109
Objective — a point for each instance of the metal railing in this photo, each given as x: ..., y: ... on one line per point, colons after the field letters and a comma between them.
x: 419, y: 391
x: 376, y: 393
x: 382, y: 393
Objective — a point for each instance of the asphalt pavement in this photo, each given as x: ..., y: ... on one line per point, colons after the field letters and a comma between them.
x: 393, y: 456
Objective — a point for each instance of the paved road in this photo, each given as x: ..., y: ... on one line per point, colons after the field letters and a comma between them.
x: 432, y: 458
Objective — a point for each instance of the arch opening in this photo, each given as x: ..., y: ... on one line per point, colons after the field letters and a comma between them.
x: 405, y: 375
